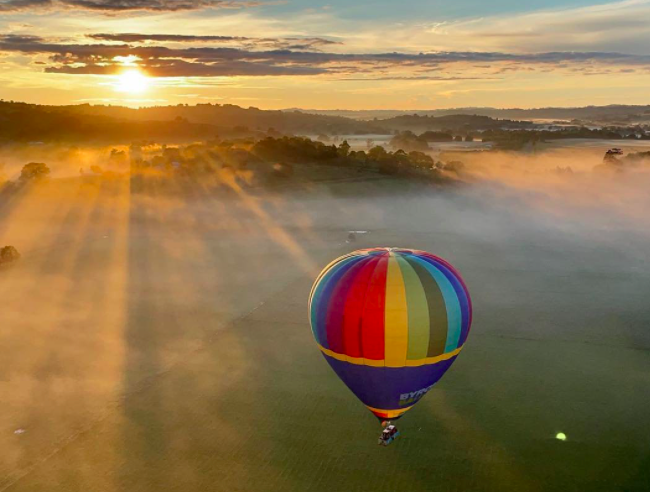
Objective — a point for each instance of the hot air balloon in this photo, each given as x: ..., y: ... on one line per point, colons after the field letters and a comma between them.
x: 390, y: 322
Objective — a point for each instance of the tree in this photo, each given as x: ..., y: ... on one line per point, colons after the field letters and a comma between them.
x: 420, y: 159
x: 9, y: 254
x: 344, y: 149
x: 409, y: 141
x: 377, y: 153
x: 34, y: 171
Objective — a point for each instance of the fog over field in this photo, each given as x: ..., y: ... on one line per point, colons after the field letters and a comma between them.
x: 156, y: 340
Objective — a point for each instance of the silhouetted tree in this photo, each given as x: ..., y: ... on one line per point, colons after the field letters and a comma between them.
x: 420, y: 159
x: 9, y: 254
x: 34, y: 171
x: 377, y: 153
x: 344, y: 149
x: 409, y: 141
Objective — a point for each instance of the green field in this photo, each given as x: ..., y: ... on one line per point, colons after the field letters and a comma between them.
x: 152, y: 343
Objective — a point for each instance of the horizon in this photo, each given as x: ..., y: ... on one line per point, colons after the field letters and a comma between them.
x: 415, y: 110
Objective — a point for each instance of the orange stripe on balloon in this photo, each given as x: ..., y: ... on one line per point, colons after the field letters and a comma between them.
x: 388, y: 414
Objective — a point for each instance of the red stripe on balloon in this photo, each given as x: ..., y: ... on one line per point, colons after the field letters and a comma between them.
x: 381, y: 415
x: 353, y: 312
x: 336, y: 310
x: 372, y: 324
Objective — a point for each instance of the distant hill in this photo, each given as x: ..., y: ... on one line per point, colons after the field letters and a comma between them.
x: 454, y: 122
x: 32, y: 122
x: 614, y: 113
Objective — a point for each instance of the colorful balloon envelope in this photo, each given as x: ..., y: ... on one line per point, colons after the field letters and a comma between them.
x: 390, y: 322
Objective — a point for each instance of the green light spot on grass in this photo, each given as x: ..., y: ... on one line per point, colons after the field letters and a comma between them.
x: 560, y: 436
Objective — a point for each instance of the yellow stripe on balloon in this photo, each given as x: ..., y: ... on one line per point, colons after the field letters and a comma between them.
x: 418, y: 312
x: 360, y: 361
x: 396, y: 323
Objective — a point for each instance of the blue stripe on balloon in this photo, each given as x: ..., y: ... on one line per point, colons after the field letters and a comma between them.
x: 462, y: 295
x: 450, y: 295
x: 322, y: 297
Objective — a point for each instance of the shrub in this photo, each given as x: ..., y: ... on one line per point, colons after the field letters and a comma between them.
x: 34, y: 171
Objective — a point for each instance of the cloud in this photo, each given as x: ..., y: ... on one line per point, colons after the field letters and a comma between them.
x: 611, y: 27
x: 182, y: 68
x: 163, y: 61
x: 292, y: 43
x: 178, y: 38
x: 615, y: 26
x: 416, y: 77
x: 115, y: 6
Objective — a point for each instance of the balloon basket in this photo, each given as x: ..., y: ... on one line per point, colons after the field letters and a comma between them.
x: 388, y: 435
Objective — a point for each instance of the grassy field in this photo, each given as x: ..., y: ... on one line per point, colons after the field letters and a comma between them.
x: 153, y: 343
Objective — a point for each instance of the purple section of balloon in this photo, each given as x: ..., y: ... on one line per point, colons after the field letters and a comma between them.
x: 389, y: 388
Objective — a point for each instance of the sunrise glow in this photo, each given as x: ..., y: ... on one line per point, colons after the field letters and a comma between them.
x: 133, y: 82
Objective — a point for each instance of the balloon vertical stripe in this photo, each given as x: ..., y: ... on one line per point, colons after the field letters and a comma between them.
x: 354, y: 304
x: 451, y: 304
x: 336, y: 308
x: 418, y: 312
x: 396, y: 316
x: 323, y: 298
x: 436, y: 309
x: 461, y: 289
x: 372, y: 324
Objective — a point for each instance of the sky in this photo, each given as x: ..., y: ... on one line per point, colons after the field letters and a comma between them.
x: 343, y: 54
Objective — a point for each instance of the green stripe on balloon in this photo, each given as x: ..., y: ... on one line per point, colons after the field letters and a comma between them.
x: 418, y: 312
x: 436, y: 309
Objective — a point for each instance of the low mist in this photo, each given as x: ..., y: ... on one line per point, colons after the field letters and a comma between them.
x: 117, y: 290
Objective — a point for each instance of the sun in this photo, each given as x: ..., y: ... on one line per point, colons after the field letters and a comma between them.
x: 132, y: 81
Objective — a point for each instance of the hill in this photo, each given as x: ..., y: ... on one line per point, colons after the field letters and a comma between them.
x: 616, y: 113
x: 450, y: 122
x: 230, y: 116
x: 31, y: 122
